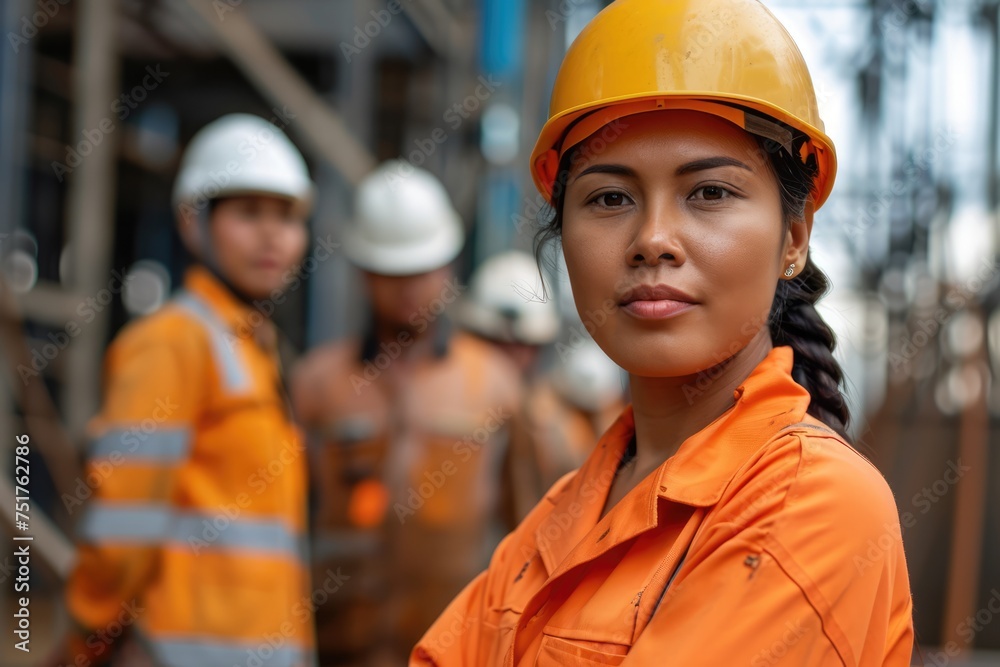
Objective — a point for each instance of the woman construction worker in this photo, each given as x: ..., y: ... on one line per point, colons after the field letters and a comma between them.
x: 191, y: 548
x: 723, y: 519
x: 411, y: 424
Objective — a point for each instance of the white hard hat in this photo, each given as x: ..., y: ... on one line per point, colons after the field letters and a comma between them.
x: 241, y: 154
x: 505, y: 302
x: 586, y: 377
x: 404, y: 222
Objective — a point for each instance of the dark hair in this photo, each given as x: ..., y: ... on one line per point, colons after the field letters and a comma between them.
x: 793, y: 320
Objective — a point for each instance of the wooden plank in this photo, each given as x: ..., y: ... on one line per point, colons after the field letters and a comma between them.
x: 90, y: 201
x: 962, y: 592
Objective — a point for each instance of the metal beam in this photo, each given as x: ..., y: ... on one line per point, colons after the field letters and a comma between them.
x: 436, y: 24
x: 27, y: 385
x: 267, y: 69
x: 91, y: 196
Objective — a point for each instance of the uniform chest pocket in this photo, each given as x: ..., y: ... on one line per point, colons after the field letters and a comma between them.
x: 561, y: 651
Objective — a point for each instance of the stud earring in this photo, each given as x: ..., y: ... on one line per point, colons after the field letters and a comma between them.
x: 790, y: 270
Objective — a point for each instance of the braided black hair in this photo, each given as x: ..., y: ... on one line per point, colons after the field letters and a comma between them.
x: 793, y: 320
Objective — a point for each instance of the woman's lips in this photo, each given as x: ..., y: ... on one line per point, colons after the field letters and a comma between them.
x: 657, y: 310
x: 656, y: 302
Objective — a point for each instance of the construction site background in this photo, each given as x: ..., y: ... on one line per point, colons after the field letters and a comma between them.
x: 98, y: 99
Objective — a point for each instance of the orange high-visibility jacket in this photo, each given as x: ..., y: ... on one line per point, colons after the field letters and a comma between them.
x: 194, y: 538
x: 409, y: 477
x: 765, y: 540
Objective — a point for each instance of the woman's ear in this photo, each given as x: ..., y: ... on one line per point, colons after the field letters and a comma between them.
x: 797, y: 241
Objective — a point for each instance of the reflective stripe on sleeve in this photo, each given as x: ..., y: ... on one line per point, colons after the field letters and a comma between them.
x: 276, y: 651
x: 133, y: 523
x: 151, y: 524
x: 163, y: 445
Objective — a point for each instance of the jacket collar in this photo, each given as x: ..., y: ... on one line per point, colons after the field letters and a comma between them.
x: 767, y: 401
x: 230, y: 310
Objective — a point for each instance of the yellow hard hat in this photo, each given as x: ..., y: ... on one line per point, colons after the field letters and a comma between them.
x: 730, y: 58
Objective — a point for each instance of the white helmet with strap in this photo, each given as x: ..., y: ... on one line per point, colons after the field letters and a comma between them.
x: 241, y: 154
x: 505, y: 302
x: 404, y: 222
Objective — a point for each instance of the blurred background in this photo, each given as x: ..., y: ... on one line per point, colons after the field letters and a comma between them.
x: 98, y: 99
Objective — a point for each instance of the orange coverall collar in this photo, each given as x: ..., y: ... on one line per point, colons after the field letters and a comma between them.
x: 226, y: 305
x: 767, y: 401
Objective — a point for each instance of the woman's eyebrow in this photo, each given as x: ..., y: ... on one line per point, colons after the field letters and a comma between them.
x: 710, y: 163
x: 615, y: 169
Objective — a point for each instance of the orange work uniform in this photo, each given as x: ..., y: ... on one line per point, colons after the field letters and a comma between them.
x: 194, y: 539
x: 408, y: 483
x: 764, y: 540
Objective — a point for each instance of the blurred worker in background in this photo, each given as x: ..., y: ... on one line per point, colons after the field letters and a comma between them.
x: 412, y: 420
x: 506, y: 305
x: 565, y: 409
x: 193, y: 539
x: 584, y: 395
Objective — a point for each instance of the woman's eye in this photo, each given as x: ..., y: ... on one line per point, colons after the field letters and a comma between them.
x: 611, y: 200
x: 712, y: 193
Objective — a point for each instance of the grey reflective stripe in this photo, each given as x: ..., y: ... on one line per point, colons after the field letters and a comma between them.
x: 207, y: 653
x: 164, y: 445
x: 220, y: 532
x: 159, y: 524
x: 104, y: 522
x: 234, y: 376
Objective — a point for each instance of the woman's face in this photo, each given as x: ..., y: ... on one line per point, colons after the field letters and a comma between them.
x: 674, y: 241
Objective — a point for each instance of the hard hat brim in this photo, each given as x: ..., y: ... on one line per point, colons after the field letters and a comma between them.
x: 405, y: 260
x: 551, y: 145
